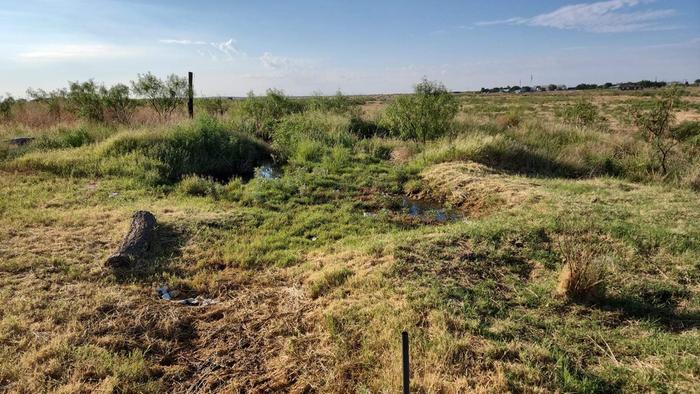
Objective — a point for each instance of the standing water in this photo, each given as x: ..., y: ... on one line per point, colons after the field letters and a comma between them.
x: 268, y: 171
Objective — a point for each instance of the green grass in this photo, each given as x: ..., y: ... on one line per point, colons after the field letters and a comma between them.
x: 316, y: 273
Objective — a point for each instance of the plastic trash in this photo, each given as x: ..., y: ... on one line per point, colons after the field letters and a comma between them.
x: 164, y: 293
x: 167, y: 295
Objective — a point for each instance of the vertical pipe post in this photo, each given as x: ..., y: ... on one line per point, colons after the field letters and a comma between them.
x: 190, y: 98
x: 406, y: 371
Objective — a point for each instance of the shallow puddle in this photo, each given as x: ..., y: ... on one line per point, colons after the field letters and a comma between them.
x: 268, y: 171
x: 429, y: 210
x: 424, y: 210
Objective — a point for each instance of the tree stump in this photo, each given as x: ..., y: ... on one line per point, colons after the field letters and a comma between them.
x: 136, y: 241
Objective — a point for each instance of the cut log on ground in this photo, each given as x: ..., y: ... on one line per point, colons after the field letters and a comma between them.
x: 136, y: 242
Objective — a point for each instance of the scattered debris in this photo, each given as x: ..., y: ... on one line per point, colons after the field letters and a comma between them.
x: 198, y: 301
x: 168, y: 295
x: 164, y: 293
x: 136, y: 241
x: 113, y: 194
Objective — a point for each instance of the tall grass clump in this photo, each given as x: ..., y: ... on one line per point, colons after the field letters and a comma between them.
x: 203, y: 147
x: 584, y: 271
x: 264, y: 112
x: 307, y: 137
x: 582, y: 113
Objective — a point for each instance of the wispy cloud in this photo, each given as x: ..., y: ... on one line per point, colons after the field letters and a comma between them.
x: 273, y: 62
x: 611, y: 16
x: 227, y: 49
x: 182, y: 42
x: 68, y: 52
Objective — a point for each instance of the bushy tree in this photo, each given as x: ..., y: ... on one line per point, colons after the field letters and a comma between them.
x: 85, y: 100
x: 217, y: 106
x: 428, y: 113
x: 55, y: 100
x: 656, y: 121
x: 164, y: 96
x: 6, y: 104
x: 117, y: 102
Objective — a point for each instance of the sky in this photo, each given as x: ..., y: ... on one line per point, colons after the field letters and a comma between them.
x: 358, y: 47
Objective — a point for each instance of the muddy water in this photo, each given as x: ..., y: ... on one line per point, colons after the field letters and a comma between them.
x: 428, y: 210
x: 424, y: 210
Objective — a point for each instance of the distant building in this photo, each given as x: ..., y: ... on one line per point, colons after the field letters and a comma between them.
x: 629, y: 86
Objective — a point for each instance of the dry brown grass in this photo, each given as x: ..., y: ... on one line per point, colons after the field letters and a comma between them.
x: 475, y: 188
x: 583, y: 275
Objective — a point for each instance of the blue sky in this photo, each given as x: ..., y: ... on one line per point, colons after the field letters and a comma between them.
x: 356, y: 46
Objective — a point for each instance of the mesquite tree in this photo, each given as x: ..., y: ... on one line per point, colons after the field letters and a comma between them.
x: 656, y: 123
x: 164, y: 96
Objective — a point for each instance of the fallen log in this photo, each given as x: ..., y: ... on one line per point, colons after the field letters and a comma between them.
x: 136, y: 241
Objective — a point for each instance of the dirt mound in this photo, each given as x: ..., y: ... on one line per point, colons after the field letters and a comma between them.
x: 475, y: 188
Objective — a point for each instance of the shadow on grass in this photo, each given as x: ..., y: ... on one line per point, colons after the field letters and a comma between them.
x: 523, y: 161
x: 165, y: 246
x: 664, y: 316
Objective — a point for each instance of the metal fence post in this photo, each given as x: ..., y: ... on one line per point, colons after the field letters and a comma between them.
x: 190, y: 98
x: 406, y: 371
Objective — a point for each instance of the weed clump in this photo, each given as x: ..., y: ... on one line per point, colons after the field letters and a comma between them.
x: 194, y: 185
x: 508, y: 120
x: 583, y: 275
x: 582, y: 113
x: 303, y: 138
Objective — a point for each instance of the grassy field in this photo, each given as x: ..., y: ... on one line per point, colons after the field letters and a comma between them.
x: 469, y: 242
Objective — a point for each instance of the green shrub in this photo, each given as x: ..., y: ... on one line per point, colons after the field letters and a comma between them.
x: 267, y: 110
x: 338, y: 158
x: 366, y: 128
x: 304, y: 137
x: 194, y: 185
x: 65, y: 138
x: 233, y: 190
x: 427, y: 114
x: 214, y: 106
x: 582, y: 113
x: 203, y: 147
x: 338, y: 103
